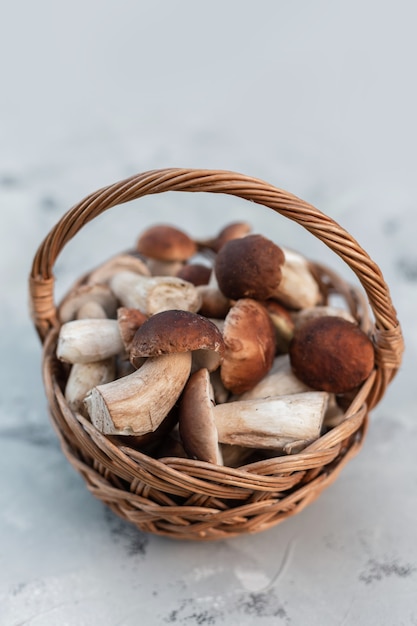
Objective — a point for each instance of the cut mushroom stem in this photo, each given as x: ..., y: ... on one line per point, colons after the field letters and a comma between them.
x: 138, y: 403
x: 273, y: 423
x: 154, y: 294
x: 83, y: 377
x: 89, y: 340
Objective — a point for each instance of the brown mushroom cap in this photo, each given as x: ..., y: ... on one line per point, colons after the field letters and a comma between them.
x: 196, y: 421
x: 177, y: 331
x: 195, y: 273
x: 331, y: 354
x: 166, y: 243
x: 129, y: 320
x: 249, y: 267
x: 249, y: 338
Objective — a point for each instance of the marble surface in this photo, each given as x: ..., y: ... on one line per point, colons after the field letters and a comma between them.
x: 318, y: 98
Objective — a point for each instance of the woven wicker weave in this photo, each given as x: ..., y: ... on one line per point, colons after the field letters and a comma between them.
x: 184, y: 498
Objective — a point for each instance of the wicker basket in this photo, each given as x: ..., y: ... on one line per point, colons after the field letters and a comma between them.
x: 189, y: 499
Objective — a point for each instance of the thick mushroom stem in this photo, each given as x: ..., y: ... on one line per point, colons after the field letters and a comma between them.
x: 138, y: 403
x: 278, y: 423
x: 83, y: 377
x: 89, y: 340
x: 154, y: 294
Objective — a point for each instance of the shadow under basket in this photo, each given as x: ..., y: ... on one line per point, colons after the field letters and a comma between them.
x: 188, y: 499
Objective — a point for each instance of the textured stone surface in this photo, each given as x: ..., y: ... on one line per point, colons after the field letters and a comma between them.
x: 317, y: 98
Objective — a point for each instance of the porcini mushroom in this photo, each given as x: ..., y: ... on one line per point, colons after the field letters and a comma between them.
x: 255, y: 267
x: 173, y: 331
x: 249, y: 267
x: 249, y: 339
x: 329, y: 353
x: 235, y: 230
x: 197, y: 427
x: 138, y: 403
x: 166, y: 248
x: 154, y: 294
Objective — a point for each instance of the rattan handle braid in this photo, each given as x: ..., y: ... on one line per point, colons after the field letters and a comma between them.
x: 387, y: 338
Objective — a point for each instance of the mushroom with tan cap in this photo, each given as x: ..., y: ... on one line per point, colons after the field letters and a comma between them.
x: 329, y: 353
x: 197, y: 427
x: 249, y: 338
x: 179, y: 331
x: 166, y: 248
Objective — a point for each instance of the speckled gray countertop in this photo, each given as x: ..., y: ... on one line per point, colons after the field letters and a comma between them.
x: 318, y: 98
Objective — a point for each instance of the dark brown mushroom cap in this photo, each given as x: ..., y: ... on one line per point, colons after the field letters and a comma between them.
x: 331, y: 354
x: 249, y: 338
x: 166, y: 243
x: 249, y: 267
x: 195, y: 273
x: 174, y: 331
x: 196, y: 421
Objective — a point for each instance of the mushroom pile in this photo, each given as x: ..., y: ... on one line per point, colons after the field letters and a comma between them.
x: 222, y: 350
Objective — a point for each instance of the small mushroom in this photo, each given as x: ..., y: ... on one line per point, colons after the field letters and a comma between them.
x: 195, y: 273
x: 166, y: 249
x: 235, y: 230
x: 249, y: 339
x: 87, y: 294
x: 279, y: 423
x: 154, y: 294
x: 138, y: 403
x: 179, y: 331
x: 331, y: 354
x: 197, y: 428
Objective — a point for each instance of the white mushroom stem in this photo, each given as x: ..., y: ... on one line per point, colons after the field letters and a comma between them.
x: 154, y: 294
x: 138, y: 403
x: 89, y: 340
x: 298, y: 288
x: 274, y: 423
x: 158, y: 267
x: 83, y: 377
x: 280, y: 381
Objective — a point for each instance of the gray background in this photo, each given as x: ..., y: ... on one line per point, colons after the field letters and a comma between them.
x: 319, y: 98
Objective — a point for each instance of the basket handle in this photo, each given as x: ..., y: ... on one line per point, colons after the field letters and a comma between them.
x: 387, y: 336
